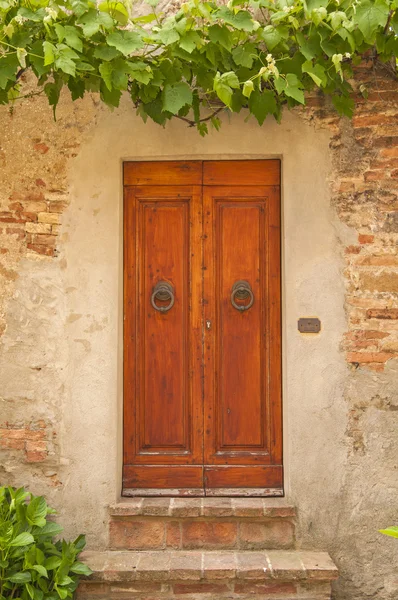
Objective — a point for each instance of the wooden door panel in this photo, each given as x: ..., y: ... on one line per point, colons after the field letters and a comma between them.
x: 242, y: 371
x: 170, y: 172
x: 168, y: 477
x: 202, y: 381
x: 162, y: 375
x: 239, y: 231
x: 242, y: 172
x: 247, y: 476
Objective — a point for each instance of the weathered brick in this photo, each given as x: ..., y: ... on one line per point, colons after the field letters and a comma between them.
x: 40, y: 249
x: 266, y: 588
x: 186, y: 566
x: 41, y: 147
x: 173, y: 534
x: 186, y: 507
x: 382, y: 313
x: 208, y: 534
x: 36, y: 451
x: 200, y: 588
x: 46, y: 217
x: 217, y: 507
x: 365, y: 238
x: 368, y: 357
x: 137, y: 534
x: 219, y: 566
x: 38, y: 228
x: 266, y: 534
x: 387, y: 281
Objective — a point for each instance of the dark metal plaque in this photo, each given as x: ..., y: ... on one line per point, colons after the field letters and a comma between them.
x: 309, y: 325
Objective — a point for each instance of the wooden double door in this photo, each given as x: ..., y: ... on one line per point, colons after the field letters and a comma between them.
x: 202, y: 328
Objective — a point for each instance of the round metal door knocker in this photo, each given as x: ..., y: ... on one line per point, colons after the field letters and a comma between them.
x: 241, y: 290
x: 163, y: 292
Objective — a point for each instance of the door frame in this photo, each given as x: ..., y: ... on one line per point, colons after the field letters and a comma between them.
x: 267, y: 492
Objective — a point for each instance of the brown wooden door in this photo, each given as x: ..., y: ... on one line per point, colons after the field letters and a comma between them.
x: 202, y: 364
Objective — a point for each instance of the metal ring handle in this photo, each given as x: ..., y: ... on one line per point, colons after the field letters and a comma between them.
x: 242, y: 290
x: 163, y: 291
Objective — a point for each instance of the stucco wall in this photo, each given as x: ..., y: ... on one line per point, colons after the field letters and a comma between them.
x: 61, y: 353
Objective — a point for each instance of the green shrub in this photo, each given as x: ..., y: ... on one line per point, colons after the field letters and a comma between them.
x: 32, y: 565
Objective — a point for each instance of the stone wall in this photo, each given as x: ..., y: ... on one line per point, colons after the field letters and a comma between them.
x: 60, y: 310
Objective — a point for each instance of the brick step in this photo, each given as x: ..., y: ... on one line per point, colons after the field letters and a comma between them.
x: 196, y: 575
x: 202, y: 523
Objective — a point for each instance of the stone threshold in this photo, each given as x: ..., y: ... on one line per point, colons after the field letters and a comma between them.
x: 199, y: 566
x: 203, y: 507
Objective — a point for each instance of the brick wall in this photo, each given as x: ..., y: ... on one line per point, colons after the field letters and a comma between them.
x: 364, y: 187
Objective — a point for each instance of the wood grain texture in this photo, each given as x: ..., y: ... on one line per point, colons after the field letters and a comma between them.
x: 163, y: 351
x: 169, y: 477
x: 163, y: 173
x: 202, y: 382
x: 244, y: 476
x: 242, y: 401
x: 242, y: 172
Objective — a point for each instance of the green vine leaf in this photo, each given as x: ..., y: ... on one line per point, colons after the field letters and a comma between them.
x: 176, y: 96
x: 126, y: 42
x: 256, y: 55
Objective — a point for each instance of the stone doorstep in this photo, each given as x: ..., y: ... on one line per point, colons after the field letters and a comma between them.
x: 203, y: 507
x: 270, y: 566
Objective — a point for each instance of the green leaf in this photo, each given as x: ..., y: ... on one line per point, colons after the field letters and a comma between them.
x: 140, y: 72
x: 37, y: 508
x: 223, y: 85
x: 49, y: 53
x: 241, y: 20
x: 21, y: 577
x: 80, y: 542
x: 316, y: 72
x: 35, y: 16
x: 52, y: 563
x: 221, y: 35
x: 53, y: 91
x: 21, y: 55
x: 41, y: 570
x: 72, y: 38
x: 371, y: 14
x: 344, y: 105
x: 23, y: 539
x: 106, y: 52
x: 307, y: 47
x: 190, y: 41
x: 174, y: 97
x: 60, y: 31
x: 293, y: 88
x: 125, y: 41
x: 106, y: 70
x: 8, y: 68
x: 93, y: 20
x: 271, y: 36
x: 244, y: 55
x: 168, y: 36
x: 80, y: 569
x: 66, y: 65
x: 248, y: 88
x: 262, y: 104
x: 49, y: 529
x: 391, y: 531
x: 62, y: 593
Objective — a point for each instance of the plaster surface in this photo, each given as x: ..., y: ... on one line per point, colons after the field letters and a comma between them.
x: 62, y: 349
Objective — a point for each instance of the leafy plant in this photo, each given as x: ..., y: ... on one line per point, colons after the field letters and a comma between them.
x: 255, y: 54
x: 392, y: 531
x: 32, y: 565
